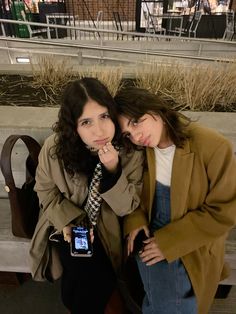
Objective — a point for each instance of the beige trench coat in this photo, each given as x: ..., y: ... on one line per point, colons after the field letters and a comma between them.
x: 61, y: 197
x: 203, y: 209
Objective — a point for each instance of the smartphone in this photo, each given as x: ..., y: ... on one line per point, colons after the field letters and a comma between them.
x: 138, y: 242
x: 80, y: 242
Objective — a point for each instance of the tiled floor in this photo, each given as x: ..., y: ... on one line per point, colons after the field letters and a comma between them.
x: 44, y: 298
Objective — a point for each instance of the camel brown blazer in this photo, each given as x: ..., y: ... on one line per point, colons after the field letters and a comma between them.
x: 61, y: 197
x: 203, y: 209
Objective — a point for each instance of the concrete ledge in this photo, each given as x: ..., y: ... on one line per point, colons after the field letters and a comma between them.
x: 37, y: 119
x: 27, y: 117
x: 34, y: 121
x: 223, y: 122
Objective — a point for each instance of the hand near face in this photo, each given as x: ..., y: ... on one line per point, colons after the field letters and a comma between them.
x: 109, y: 157
x: 151, y: 253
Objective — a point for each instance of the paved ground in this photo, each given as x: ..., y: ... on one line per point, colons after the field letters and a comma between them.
x: 31, y: 298
x: 44, y: 298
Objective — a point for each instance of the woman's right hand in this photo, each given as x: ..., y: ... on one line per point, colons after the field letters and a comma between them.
x: 109, y: 157
x: 67, y: 233
x: 132, y: 236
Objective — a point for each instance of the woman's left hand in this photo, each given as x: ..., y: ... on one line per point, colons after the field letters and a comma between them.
x: 109, y: 157
x: 67, y: 233
x: 151, y: 253
x: 91, y: 235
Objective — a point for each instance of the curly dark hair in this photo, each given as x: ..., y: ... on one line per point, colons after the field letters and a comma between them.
x: 69, y: 146
x: 134, y: 102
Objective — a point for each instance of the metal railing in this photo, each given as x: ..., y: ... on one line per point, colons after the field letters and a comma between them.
x: 145, y: 52
x: 124, y: 35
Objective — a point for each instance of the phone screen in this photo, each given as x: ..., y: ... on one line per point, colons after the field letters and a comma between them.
x: 80, y: 242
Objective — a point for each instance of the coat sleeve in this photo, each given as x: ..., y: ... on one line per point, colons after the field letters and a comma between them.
x: 124, y: 196
x: 60, y: 211
x: 139, y: 217
x: 135, y: 220
x: 213, y: 218
x: 43, y: 257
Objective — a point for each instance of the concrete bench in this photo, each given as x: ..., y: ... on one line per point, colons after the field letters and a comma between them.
x: 22, y: 120
x: 230, y: 257
x: 14, y: 250
x: 19, y: 120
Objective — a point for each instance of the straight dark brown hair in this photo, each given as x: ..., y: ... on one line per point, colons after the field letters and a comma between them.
x: 134, y: 102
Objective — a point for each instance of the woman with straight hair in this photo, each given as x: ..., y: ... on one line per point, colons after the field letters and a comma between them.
x: 84, y: 179
x: 188, y: 204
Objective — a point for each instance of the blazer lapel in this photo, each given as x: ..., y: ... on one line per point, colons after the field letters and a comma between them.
x: 150, y: 182
x: 180, y: 180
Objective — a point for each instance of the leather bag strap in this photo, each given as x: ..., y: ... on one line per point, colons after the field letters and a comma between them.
x: 33, y: 148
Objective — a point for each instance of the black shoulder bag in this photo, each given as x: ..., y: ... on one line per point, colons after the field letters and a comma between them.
x: 23, y: 201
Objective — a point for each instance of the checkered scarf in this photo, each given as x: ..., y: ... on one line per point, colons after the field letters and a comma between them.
x: 94, y: 200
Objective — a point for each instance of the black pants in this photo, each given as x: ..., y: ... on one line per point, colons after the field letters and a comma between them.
x: 87, y: 282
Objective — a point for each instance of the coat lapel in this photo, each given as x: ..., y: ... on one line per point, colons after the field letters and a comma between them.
x: 180, y: 180
x: 150, y: 182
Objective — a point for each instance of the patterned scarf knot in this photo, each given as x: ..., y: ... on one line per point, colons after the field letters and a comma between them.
x: 94, y: 200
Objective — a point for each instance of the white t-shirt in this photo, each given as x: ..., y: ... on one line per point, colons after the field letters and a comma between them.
x: 164, y: 161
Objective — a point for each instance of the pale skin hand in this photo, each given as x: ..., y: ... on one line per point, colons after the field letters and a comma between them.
x: 151, y: 253
x: 109, y: 157
x: 67, y: 233
x: 132, y: 237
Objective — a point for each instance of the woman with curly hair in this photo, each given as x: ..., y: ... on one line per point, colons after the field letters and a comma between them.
x: 188, y: 204
x: 84, y: 179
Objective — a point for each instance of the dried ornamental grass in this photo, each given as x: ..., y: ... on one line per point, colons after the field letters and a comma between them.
x: 199, y: 87
x: 53, y: 74
x: 158, y: 79
x: 207, y: 88
x: 110, y: 76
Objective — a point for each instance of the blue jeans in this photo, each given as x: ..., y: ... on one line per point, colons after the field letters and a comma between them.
x: 167, y: 286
